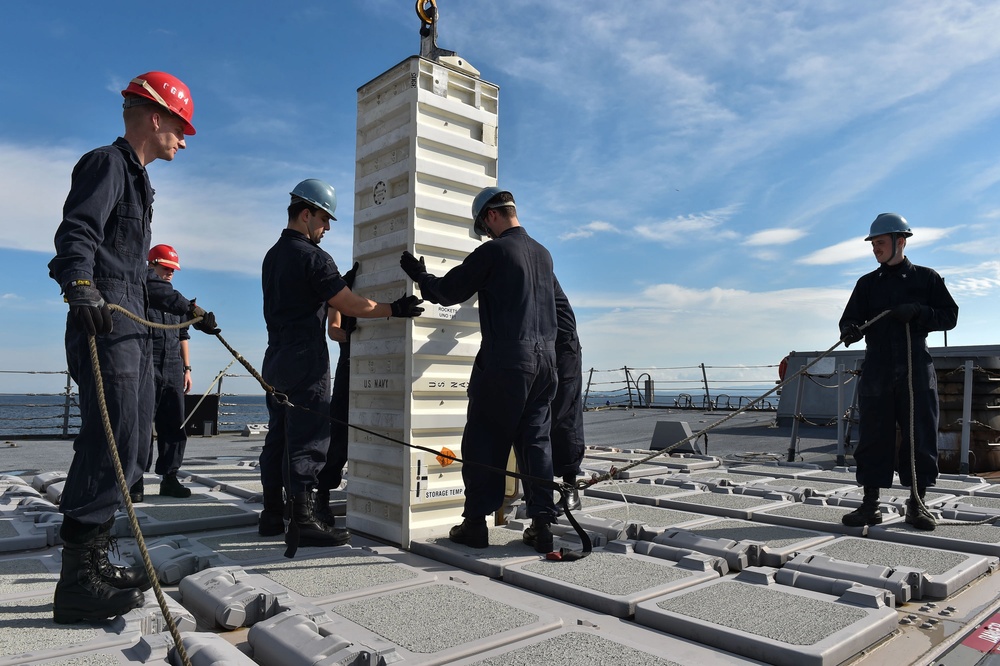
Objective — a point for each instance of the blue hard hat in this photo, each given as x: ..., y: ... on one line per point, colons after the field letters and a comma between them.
x: 317, y: 193
x: 889, y: 223
x: 479, y: 206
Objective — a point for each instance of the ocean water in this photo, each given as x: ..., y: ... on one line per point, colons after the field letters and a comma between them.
x: 46, y: 415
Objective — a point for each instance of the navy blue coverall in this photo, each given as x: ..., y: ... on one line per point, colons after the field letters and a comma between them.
x: 168, y: 375
x: 333, y: 472
x: 298, y: 278
x: 104, y: 237
x: 883, y: 391
x: 513, y: 379
x: 567, y: 407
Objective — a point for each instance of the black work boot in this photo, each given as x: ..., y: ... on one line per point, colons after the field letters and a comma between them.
x: 917, y: 513
x: 538, y: 536
x: 271, y: 521
x: 312, y: 531
x: 118, y: 577
x: 137, y: 492
x: 171, y: 487
x: 472, y: 533
x: 322, y: 507
x: 82, y: 594
x: 573, y: 502
x: 866, y: 514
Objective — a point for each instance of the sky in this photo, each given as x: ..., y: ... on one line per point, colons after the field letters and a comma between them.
x: 703, y: 173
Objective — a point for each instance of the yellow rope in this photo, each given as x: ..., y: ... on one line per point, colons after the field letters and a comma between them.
x: 239, y: 357
x: 129, y: 509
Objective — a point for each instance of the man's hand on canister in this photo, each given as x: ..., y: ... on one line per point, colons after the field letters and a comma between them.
x: 207, y: 323
x: 407, y: 306
x: 87, y: 309
x: 412, y: 266
x: 906, y: 312
x: 851, y: 334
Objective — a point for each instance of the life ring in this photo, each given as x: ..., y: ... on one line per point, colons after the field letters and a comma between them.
x: 782, y: 368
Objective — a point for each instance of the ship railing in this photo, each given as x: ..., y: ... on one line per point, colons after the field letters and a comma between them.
x: 41, y: 409
x: 56, y: 413
x: 699, y: 387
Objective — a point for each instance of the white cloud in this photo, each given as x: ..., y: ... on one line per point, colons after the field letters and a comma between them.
x: 219, y: 224
x: 588, y: 230
x: 851, y: 250
x: 685, y: 229
x: 673, y: 325
x: 973, y: 281
x: 31, y: 211
x: 711, y: 89
x: 774, y: 237
x: 842, y: 252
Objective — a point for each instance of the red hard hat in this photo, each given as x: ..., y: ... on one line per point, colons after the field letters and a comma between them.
x: 164, y: 255
x: 166, y: 90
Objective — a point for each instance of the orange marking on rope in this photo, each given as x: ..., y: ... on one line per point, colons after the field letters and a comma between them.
x: 442, y: 459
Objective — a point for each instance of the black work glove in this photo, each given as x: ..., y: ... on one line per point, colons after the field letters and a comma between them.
x: 412, y: 266
x: 207, y: 323
x: 851, y: 334
x: 906, y: 312
x: 87, y: 308
x: 407, y: 306
x: 351, y: 274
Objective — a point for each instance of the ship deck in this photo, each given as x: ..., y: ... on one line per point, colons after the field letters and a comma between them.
x: 728, y: 556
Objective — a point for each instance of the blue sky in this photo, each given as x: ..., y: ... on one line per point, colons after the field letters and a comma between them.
x: 702, y: 172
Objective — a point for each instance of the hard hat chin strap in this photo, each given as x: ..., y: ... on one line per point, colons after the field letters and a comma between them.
x: 893, y: 237
x: 310, y: 227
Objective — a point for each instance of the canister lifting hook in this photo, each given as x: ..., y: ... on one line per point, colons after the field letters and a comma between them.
x: 427, y: 11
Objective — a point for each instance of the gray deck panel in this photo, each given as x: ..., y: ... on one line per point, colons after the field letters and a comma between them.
x: 721, y: 476
x: 642, y: 491
x: 845, y: 474
x: 895, y: 496
x: 977, y: 539
x: 801, y: 488
x: 612, y: 642
x: 776, y: 543
x: 204, y: 510
x: 506, y: 548
x: 818, y: 514
x: 942, y: 572
x: 726, y: 504
x: 642, y: 470
x: 988, y: 491
x: 439, y: 623
x: 29, y: 635
x: 780, y: 470
x: 624, y: 520
x: 19, y: 534
x: 986, y: 506
x: 340, y: 573
x: 608, y: 582
x: 716, y: 613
